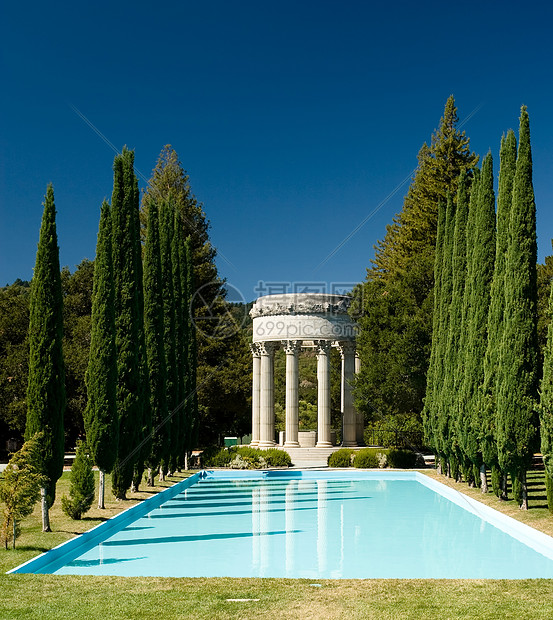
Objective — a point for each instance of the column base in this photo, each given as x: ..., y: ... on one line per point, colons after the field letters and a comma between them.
x: 291, y: 444
x: 254, y: 444
x: 349, y: 444
x: 324, y: 444
x: 266, y: 444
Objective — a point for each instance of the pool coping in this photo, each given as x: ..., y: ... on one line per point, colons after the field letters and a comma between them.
x: 536, y: 540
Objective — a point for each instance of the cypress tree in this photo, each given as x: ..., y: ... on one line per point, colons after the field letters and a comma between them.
x: 429, y: 413
x: 480, y: 268
x: 166, y: 240
x: 100, y: 416
x: 188, y: 287
x: 154, y: 329
x: 496, y: 324
x: 46, y: 383
x: 517, y: 386
x: 128, y: 319
x: 81, y: 491
x: 546, y: 410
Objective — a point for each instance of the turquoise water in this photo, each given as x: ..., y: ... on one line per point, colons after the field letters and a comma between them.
x: 311, y: 528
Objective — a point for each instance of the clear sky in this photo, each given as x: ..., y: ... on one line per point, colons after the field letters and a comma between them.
x: 295, y: 119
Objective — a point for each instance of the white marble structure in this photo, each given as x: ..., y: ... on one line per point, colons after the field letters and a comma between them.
x: 294, y: 321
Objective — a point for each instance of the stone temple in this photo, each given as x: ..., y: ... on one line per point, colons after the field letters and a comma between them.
x: 294, y: 321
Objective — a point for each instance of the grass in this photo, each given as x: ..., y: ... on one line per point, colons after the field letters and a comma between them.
x: 88, y: 597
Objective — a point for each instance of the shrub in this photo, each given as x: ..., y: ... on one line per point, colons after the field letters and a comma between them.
x: 246, y: 462
x: 340, y: 458
x: 220, y: 458
x: 81, y: 490
x: 402, y: 430
x: 250, y: 453
x: 366, y: 458
x: 403, y: 459
x: 277, y: 458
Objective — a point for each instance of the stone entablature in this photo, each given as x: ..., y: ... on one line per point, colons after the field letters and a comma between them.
x: 307, y: 317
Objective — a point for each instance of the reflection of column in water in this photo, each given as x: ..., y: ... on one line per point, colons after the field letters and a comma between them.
x: 289, y: 512
x: 264, y: 530
x: 322, y: 525
x: 341, y: 539
x: 255, y: 529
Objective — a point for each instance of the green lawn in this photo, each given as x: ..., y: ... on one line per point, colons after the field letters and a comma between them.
x: 86, y: 597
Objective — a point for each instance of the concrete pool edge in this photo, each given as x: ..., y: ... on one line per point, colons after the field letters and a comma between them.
x: 102, y: 530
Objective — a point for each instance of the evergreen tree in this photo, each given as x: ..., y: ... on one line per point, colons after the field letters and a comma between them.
x: 517, y: 385
x: 81, y: 490
x: 453, y: 361
x: 100, y: 416
x: 480, y: 267
x: 166, y: 241
x: 397, y: 299
x: 128, y: 320
x: 46, y: 387
x: 20, y: 487
x: 546, y: 411
x: 496, y: 319
x: 155, y: 329
x: 429, y: 413
x: 441, y: 404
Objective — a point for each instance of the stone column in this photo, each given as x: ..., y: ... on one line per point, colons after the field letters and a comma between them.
x: 323, y: 393
x: 349, y: 428
x: 266, y: 395
x: 256, y: 355
x: 360, y: 416
x: 292, y: 349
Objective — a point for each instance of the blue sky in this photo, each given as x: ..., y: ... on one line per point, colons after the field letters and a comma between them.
x: 294, y: 119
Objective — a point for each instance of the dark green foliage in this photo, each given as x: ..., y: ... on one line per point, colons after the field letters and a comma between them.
x: 46, y: 383
x: 276, y: 458
x: 402, y: 459
x: 77, y: 307
x: 453, y: 360
x: 129, y: 320
x: 403, y: 430
x: 518, y: 361
x: 100, y: 417
x: 219, y: 458
x: 340, y: 458
x: 192, y: 414
x: 366, y: 459
x: 81, y: 491
x: 167, y: 219
x: 155, y: 347
x: 14, y: 359
x: 546, y: 410
x: 20, y: 487
x: 496, y: 325
x: 481, y: 246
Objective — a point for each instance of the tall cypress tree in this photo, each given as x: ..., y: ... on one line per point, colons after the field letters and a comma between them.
x: 429, y: 413
x: 46, y: 383
x: 154, y: 329
x: 481, y: 245
x: 496, y: 318
x: 518, y: 362
x: 188, y: 287
x: 166, y: 240
x: 128, y: 319
x: 446, y: 288
x: 100, y: 416
x: 546, y: 410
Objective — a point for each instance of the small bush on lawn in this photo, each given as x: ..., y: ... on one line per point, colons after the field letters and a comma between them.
x: 81, y: 491
x: 277, y: 458
x: 402, y: 459
x: 366, y: 459
x: 340, y: 458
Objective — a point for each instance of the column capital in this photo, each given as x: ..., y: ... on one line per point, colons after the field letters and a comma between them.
x: 268, y: 347
x: 254, y: 348
x: 323, y: 346
x: 292, y: 347
x: 346, y: 347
